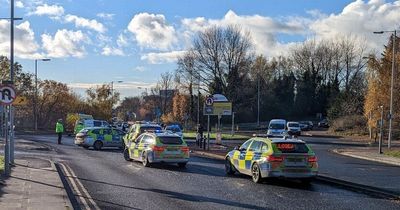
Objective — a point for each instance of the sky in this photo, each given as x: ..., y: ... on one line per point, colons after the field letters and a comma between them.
x: 94, y: 42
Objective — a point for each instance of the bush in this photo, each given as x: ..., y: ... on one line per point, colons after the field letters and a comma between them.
x: 355, y: 124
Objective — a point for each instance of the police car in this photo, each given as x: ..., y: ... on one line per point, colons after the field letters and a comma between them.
x: 138, y: 128
x: 157, y: 147
x: 273, y: 157
x: 99, y: 137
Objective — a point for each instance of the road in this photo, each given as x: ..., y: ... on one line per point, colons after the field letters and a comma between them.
x: 113, y: 183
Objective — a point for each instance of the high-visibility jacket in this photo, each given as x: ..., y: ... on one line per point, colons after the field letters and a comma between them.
x: 59, y: 127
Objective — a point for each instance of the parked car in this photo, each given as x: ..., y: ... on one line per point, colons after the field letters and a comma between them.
x: 293, y: 128
x: 323, y: 123
x: 277, y: 127
x: 272, y: 157
x: 306, y: 125
x: 99, y: 137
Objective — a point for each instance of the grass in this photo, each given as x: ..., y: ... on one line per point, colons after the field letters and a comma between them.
x: 393, y: 153
x: 1, y: 164
x: 212, y: 135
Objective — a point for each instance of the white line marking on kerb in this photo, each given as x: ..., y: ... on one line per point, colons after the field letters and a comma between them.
x: 84, y: 189
x: 76, y: 189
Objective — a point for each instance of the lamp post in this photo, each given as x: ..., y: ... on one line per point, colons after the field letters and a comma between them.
x: 391, y: 84
x: 35, y: 115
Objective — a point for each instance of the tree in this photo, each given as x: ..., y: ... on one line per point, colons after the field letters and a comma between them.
x: 101, y: 101
x: 378, y: 88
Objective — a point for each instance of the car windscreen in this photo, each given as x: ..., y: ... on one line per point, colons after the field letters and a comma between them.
x: 276, y: 126
x: 173, y: 129
x: 293, y: 125
x: 150, y: 129
x: 170, y: 140
x: 291, y: 147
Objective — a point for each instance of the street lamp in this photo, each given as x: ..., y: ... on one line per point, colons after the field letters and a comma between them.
x: 36, y: 93
x: 391, y: 84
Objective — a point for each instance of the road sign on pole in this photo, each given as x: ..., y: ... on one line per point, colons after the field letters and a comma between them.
x: 7, y: 94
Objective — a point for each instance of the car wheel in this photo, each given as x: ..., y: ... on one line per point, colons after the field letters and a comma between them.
x: 97, y: 145
x: 182, y: 165
x: 255, y: 173
x: 228, y: 167
x: 126, y: 155
x: 145, y: 160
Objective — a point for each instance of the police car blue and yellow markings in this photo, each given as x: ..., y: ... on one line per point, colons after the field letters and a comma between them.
x: 272, y: 158
x: 156, y: 150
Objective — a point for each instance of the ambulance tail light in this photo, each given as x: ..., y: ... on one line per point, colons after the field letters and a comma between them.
x: 158, y: 149
x: 272, y: 158
x: 312, y: 159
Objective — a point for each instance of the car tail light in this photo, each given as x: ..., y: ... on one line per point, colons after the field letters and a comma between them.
x: 185, y: 149
x: 158, y: 149
x: 312, y: 159
x: 272, y: 158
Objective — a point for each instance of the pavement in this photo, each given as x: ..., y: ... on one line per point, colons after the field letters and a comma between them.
x: 377, y: 171
x: 33, y: 184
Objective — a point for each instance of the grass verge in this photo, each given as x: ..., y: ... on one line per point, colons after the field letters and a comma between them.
x: 225, y: 136
x: 1, y: 164
x: 393, y: 153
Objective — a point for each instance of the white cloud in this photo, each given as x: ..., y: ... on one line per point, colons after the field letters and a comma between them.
x: 81, y: 22
x: 65, y: 43
x: 19, y: 4
x: 163, y: 57
x: 361, y: 18
x: 152, y: 31
x: 108, y: 51
x: 263, y: 30
x: 50, y: 10
x: 122, y: 40
x: 140, y: 68
x: 123, y: 85
x: 25, y: 45
x: 106, y: 16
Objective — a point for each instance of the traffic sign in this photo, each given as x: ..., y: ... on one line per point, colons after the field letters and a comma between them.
x: 20, y: 100
x: 209, y: 101
x: 7, y: 94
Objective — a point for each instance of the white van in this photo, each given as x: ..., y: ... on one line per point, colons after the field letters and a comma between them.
x: 277, y: 127
x: 85, y: 123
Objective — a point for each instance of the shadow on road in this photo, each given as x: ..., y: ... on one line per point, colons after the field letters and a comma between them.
x: 171, y: 194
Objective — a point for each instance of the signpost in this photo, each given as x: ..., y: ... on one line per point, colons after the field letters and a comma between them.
x: 7, y: 96
x: 217, y: 105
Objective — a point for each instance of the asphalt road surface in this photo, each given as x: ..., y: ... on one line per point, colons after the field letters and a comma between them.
x: 113, y: 183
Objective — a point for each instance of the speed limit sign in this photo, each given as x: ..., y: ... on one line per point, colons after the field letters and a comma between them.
x: 7, y: 94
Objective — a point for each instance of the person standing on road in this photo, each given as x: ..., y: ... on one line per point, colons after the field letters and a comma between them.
x: 199, y: 136
x: 59, y: 130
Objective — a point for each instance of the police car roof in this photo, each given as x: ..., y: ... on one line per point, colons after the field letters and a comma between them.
x: 280, y: 140
x: 165, y: 134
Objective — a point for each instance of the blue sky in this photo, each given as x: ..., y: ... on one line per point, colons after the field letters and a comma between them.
x: 93, y: 42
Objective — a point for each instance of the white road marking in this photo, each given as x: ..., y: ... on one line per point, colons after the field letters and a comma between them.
x: 76, y: 189
x: 84, y: 190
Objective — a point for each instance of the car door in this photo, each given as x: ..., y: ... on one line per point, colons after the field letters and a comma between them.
x: 108, y: 137
x: 144, y: 143
x: 133, y: 147
x: 239, y: 156
x: 253, y: 151
x: 117, y: 137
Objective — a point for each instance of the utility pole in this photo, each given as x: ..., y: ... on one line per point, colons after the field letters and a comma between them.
x: 391, y: 91
x: 381, y: 131
x: 258, y: 101
x: 391, y: 84
x: 11, y: 119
